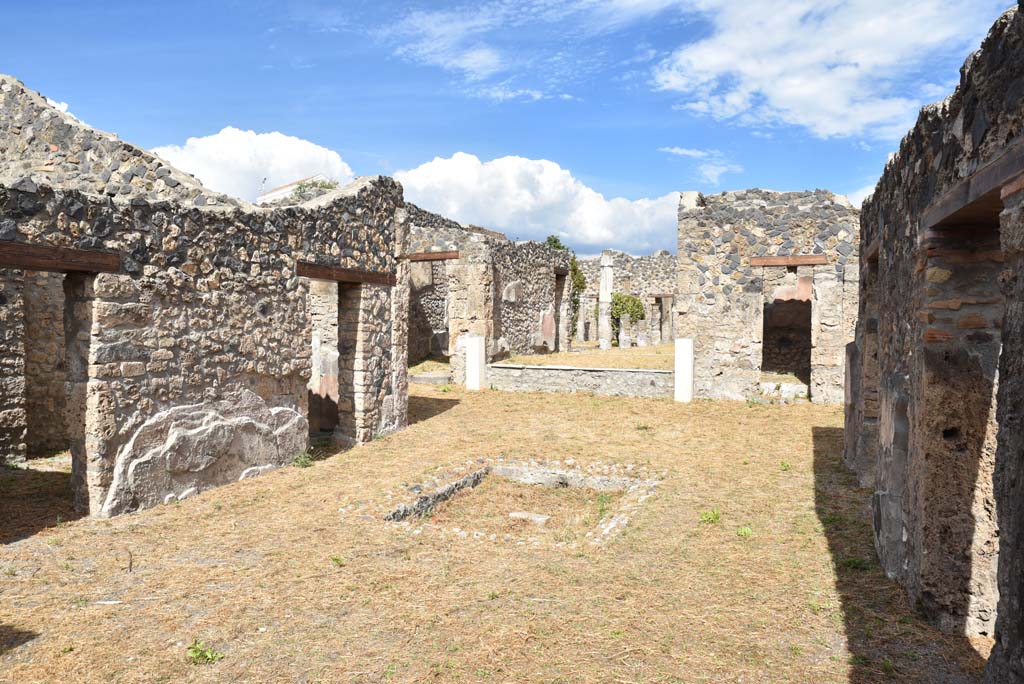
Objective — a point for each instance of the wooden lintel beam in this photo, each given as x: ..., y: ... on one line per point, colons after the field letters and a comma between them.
x: 976, y: 199
x: 799, y: 260
x: 338, y: 274
x: 561, y: 271
x: 21, y: 255
x: 433, y: 256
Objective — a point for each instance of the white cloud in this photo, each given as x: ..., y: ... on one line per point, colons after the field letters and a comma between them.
x: 503, y: 93
x: 534, y: 198
x: 836, y: 67
x: 713, y: 164
x: 450, y: 39
x: 236, y: 162
x: 59, y: 106
x: 857, y: 197
x: 685, y: 152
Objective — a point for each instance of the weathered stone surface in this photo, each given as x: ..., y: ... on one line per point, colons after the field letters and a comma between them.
x: 722, y: 300
x: 615, y: 382
x: 187, y: 449
x: 206, y: 307
x: 925, y: 426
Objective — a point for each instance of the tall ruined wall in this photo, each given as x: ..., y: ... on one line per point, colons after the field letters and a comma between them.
x: 428, y: 310
x: 531, y: 299
x: 507, y: 291
x: 195, y: 359
x: 926, y: 370
x: 721, y: 296
x: 430, y: 232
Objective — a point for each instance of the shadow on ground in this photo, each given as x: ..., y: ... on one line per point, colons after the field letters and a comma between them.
x: 32, y: 500
x: 887, y: 641
x: 11, y: 638
x: 425, y: 408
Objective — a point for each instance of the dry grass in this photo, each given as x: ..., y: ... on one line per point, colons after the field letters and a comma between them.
x: 659, y: 357
x: 573, y: 511
x: 269, y: 573
x: 433, y: 364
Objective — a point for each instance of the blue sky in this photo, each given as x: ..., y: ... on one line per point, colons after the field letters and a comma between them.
x: 576, y: 117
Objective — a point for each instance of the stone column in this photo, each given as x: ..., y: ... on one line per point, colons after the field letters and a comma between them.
x: 1006, y: 664
x: 604, y: 302
x: 13, y: 418
x: 625, y: 341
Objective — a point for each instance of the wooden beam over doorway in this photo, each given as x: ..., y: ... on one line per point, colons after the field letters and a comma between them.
x: 21, y: 255
x: 338, y: 274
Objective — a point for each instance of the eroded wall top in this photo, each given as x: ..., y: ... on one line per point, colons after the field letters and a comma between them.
x: 55, y: 148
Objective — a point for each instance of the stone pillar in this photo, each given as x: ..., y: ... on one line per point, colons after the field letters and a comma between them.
x: 625, y: 342
x: 684, y: 370
x: 89, y: 414
x: 13, y: 417
x: 604, y: 302
x: 471, y: 308
x: 476, y: 362
x: 828, y: 339
x: 1006, y: 664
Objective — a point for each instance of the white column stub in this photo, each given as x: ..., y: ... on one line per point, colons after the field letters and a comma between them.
x: 684, y: 370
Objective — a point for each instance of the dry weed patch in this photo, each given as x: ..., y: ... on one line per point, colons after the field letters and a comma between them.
x: 295, y: 577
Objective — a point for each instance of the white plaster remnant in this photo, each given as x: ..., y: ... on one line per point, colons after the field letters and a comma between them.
x: 476, y: 362
x: 184, y: 450
x: 684, y: 370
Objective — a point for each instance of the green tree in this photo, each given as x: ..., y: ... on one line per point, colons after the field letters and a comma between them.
x: 625, y: 305
x: 555, y: 242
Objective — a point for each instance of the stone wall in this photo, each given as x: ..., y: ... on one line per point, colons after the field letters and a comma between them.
x: 514, y: 294
x: 531, y: 298
x: 204, y: 358
x: 197, y: 355
x: 650, y: 278
x: 428, y: 310
x: 613, y: 382
x: 934, y: 367
x: 721, y: 296
x: 37, y: 139
x: 44, y: 363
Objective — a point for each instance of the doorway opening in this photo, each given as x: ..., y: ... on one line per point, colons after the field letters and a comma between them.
x: 786, y: 348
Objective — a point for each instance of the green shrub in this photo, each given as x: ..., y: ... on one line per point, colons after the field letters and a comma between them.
x: 201, y: 654
x: 710, y: 517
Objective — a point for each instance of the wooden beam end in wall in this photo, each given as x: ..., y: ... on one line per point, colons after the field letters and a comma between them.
x: 799, y: 260
x: 433, y: 256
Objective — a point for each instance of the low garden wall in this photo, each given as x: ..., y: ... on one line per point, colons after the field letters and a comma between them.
x: 614, y: 382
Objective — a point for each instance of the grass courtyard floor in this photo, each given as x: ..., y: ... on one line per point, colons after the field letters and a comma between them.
x: 291, y: 579
x: 657, y: 357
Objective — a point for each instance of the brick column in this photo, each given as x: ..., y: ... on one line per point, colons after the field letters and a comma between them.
x: 1006, y: 664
